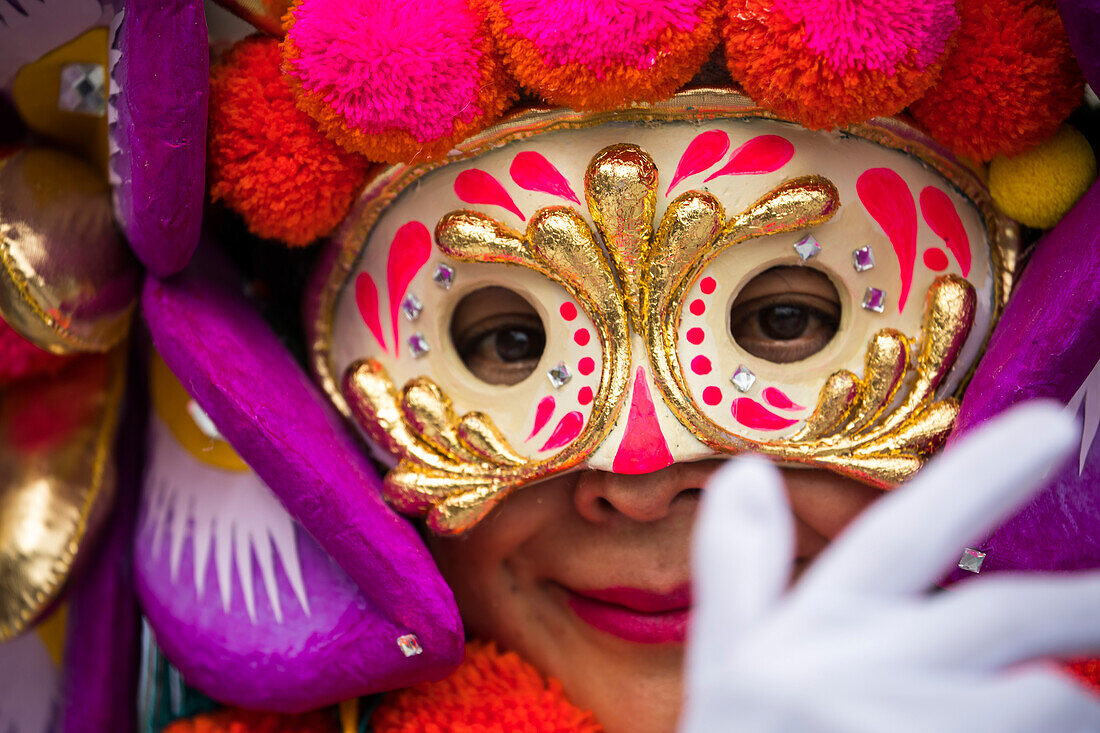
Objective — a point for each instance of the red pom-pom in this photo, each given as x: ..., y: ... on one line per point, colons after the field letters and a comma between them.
x: 490, y: 692
x: 576, y: 53
x: 20, y: 358
x: 828, y: 64
x: 268, y: 161
x: 1008, y: 85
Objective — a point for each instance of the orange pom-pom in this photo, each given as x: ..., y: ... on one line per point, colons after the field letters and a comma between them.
x: 1008, y: 85
x: 268, y: 161
x: 643, y: 54
x: 490, y: 692
x: 244, y: 721
x: 395, y: 81
x: 828, y: 64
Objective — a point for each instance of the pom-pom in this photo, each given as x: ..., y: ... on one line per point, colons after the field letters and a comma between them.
x: 20, y: 358
x: 490, y: 692
x: 1038, y: 187
x: 268, y: 161
x: 603, y: 54
x: 829, y: 63
x: 395, y: 80
x: 245, y: 721
x: 1009, y: 83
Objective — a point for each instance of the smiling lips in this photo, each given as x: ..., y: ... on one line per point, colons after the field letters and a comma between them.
x: 634, y: 614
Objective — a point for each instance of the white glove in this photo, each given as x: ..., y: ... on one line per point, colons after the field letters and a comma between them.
x: 862, y: 642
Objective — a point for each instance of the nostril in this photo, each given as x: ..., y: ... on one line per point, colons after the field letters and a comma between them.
x: 693, y: 494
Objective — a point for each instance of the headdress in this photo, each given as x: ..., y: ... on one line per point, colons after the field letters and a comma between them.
x: 347, y: 116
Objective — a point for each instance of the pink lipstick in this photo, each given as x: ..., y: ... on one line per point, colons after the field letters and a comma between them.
x: 641, y: 616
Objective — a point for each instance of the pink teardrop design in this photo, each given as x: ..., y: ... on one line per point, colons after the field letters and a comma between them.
x: 942, y: 216
x: 543, y: 412
x: 567, y: 429
x: 366, y: 297
x: 410, y: 249
x: 888, y: 200
x: 475, y: 186
x: 643, y: 449
x: 762, y: 154
x: 704, y: 151
x: 533, y: 172
x: 752, y: 414
x: 776, y: 398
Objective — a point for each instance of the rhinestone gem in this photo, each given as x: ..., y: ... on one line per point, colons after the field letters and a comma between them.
x: 874, y: 300
x: 743, y: 379
x: 411, y: 307
x: 559, y: 375
x: 807, y: 247
x: 444, y: 276
x: 418, y: 345
x: 83, y: 89
x: 972, y: 560
x: 863, y: 259
x: 409, y: 645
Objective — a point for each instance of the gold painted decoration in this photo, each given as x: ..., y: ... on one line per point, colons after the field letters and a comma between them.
x: 68, y: 282
x: 56, y: 480
x: 620, y: 187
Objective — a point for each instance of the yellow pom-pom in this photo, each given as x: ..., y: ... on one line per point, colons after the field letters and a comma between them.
x: 1038, y: 187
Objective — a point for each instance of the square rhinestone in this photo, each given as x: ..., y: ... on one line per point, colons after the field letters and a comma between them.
x: 559, y: 375
x: 863, y: 259
x: 409, y: 645
x: 743, y: 379
x: 444, y: 276
x: 807, y: 247
x: 972, y: 560
x: 83, y: 89
x: 411, y: 307
x: 418, y: 345
x: 874, y: 300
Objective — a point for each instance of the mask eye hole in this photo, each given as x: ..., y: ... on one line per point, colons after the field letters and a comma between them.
x: 498, y: 335
x: 785, y: 314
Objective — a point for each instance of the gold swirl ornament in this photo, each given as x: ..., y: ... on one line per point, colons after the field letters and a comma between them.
x: 57, y: 480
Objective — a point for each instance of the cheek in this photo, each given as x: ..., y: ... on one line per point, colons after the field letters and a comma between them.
x: 825, y: 502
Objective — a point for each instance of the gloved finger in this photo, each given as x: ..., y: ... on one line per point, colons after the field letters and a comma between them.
x: 741, y: 556
x: 906, y: 541
x: 992, y: 623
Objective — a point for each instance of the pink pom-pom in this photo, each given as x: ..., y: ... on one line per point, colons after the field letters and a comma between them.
x: 393, y: 78
x: 600, y: 54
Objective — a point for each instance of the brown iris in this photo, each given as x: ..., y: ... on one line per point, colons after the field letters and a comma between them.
x: 498, y: 335
x: 785, y: 314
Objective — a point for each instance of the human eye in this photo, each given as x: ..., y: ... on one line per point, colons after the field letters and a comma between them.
x: 785, y: 314
x: 498, y: 336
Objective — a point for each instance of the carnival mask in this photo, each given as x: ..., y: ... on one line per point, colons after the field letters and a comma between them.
x: 631, y: 236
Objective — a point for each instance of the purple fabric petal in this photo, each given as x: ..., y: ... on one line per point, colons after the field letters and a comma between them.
x: 1082, y: 21
x: 268, y: 409
x: 159, y: 87
x: 1045, y: 345
x: 101, y: 653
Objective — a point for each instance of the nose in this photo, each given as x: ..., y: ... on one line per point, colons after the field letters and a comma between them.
x: 601, y: 497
